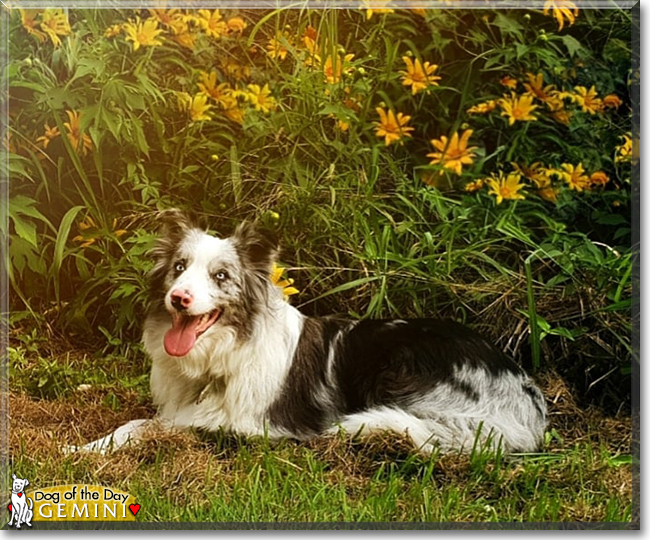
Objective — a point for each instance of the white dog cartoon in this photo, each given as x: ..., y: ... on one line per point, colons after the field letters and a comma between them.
x: 21, y: 505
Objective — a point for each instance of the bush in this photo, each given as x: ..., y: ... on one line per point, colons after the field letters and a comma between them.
x: 473, y: 164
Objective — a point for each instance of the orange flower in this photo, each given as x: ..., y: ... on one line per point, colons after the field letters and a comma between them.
x: 391, y: 127
x: 509, y: 82
x: 453, y: 153
x: 612, y: 101
x: 599, y: 178
x: 235, y: 25
x: 79, y: 141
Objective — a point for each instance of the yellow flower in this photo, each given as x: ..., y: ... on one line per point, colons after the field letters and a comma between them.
x: 232, y: 110
x: 333, y: 69
x: 261, y: 98
x: 80, y: 142
x: 536, y: 173
x: 624, y: 151
x: 555, y: 104
x: 562, y: 9
x: 454, y: 153
x: 505, y: 187
x: 276, y: 48
x: 113, y: 30
x: 50, y: 134
x: 166, y: 17
x: 392, y: 127
x: 548, y: 193
x: 417, y: 75
x: 28, y: 20
x: 197, y: 106
x: 210, y: 87
x: 284, y: 284
x: 375, y: 6
x: 211, y: 22
x: 91, y: 232
x: 599, y: 178
x: 612, y: 101
x: 342, y: 125
x: 475, y: 185
x: 508, y: 82
x: 575, y: 176
x: 483, y: 108
x: 518, y: 108
x: 235, y: 70
x: 587, y: 99
x: 55, y: 24
x: 143, y: 33
x: 236, y: 25
x: 181, y: 31
x: 535, y: 87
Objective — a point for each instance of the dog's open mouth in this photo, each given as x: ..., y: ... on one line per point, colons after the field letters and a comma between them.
x: 181, y: 337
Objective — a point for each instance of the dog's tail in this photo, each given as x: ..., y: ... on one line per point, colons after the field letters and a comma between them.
x: 30, y: 503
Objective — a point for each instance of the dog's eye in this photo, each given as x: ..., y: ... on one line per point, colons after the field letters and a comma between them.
x: 220, y: 276
x: 179, y: 266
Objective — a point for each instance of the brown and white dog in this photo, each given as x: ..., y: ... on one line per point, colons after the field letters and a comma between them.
x: 228, y: 351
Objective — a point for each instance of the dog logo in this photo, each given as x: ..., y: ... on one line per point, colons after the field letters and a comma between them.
x: 21, y: 506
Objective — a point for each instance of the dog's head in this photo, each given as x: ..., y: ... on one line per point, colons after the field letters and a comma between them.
x: 206, y: 283
x: 19, y: 484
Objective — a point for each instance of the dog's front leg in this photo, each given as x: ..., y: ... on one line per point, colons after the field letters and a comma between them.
x: 130, y: 432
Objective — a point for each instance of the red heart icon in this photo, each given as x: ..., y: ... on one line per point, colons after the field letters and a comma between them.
x: 9, y: 507
x: 20, y: 494
x: 135, y: 508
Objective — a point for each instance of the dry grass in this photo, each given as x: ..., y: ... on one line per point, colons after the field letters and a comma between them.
x: 377, y: 478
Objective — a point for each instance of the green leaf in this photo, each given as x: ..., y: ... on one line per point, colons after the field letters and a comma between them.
x: 61, y: 239
x: 25, y: 230
x: 508, y: 25
x: 572, y: 44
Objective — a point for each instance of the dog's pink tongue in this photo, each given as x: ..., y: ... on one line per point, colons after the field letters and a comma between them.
x: 181, y: 337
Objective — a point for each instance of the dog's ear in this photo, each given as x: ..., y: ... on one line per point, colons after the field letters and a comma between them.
x: 14, y: 476
x: 175, y: 222
x: 258, y: 247
x: 26, y: 483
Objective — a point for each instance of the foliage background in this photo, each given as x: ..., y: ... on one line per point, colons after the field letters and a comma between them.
x: 100, y: 136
